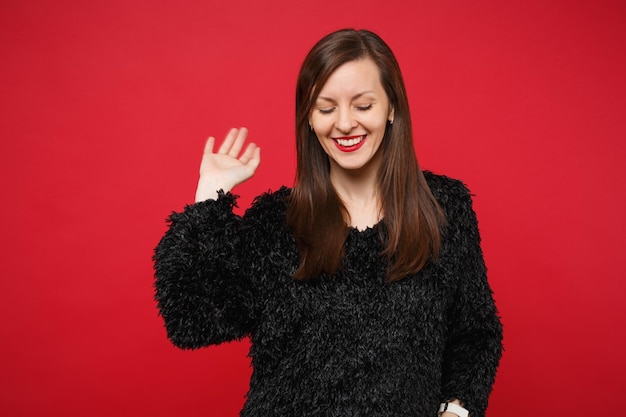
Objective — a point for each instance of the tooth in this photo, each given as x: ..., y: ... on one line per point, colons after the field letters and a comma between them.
x: 350, y: 142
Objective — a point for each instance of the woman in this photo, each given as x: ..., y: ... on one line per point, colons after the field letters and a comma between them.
x: 363, y: 288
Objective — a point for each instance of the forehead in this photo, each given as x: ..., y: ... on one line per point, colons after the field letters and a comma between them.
x: 353, y: 77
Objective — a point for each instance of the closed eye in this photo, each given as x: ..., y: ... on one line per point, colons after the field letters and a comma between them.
x: 364, y: 108
x: 326, y: 110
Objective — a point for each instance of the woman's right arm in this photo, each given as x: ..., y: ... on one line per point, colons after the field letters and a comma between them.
x: 200, y: 290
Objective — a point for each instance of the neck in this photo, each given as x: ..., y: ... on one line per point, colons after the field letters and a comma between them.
x: 355, y: 189
x: 358, y: 191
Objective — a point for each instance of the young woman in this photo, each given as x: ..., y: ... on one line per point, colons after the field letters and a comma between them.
x: 363, y: 287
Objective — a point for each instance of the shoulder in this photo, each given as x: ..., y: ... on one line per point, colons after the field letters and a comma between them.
x: 271, y: 200
x: 455, y: 199
x: 269, y: 208
x: 461, y: 230
x: 448, y: 192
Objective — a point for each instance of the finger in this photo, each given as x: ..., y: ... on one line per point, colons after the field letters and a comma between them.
x: 208, y: 146
x: 255, y: 159
x: 208, y: 151
x: 238, y: 143
x: 249, y: 152
x: 228, y: 141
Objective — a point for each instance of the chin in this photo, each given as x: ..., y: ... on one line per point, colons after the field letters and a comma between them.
x: 353, y: 165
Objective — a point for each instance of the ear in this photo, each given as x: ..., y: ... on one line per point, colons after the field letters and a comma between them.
x: 391, y: 115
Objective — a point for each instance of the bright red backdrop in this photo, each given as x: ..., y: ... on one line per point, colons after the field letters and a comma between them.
x: 105, y: 109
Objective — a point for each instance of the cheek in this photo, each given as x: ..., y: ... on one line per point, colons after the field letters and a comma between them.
x: 376, y: 124
x: 325, y: 145
x: 321, y: 125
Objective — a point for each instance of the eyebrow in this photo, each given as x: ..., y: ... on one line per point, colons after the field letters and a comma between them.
x: 353, y: 98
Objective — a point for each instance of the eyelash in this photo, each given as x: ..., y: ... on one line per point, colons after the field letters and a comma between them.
x: 359, y: 108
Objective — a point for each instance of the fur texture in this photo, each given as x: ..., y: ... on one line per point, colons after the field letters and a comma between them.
x: 342, y: 345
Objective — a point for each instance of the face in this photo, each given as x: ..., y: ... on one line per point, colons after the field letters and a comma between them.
x: 350, y: 115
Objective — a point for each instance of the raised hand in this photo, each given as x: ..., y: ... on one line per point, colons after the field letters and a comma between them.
x: 224, y: 169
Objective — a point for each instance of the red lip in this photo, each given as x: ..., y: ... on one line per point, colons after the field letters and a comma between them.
x: 352, y: 148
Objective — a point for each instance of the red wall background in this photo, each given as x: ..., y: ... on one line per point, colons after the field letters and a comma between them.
x: 105, y: 107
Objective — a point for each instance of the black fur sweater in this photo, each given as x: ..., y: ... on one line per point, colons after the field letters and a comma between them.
x: 343, y: 345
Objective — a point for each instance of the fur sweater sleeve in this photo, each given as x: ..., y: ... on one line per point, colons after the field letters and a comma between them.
x: 474, y: 344
x: 202, y: 289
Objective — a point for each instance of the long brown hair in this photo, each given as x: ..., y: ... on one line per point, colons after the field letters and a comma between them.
x: 316, y: 214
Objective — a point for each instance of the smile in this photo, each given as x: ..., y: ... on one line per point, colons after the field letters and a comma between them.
x: 350, y: 143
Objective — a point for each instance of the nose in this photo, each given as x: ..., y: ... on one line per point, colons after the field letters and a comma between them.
x: 345, y: 121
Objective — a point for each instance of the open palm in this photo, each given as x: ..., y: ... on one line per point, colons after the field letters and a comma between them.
x: 228, y: 167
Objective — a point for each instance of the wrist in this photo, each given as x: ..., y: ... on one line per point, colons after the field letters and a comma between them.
x: 208, y: 189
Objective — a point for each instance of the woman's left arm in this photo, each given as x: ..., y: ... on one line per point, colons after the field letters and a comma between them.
x: 474, y: 344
